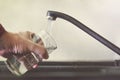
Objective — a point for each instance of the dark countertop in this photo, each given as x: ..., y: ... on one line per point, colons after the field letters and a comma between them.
x: 67, y: 71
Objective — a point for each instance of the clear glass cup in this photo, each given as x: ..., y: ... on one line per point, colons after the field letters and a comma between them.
x: 48, y: 41
x: 20, y: 64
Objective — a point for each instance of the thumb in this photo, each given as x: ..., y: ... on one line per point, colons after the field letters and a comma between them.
x: 38, y: 49
x: 2, y: 30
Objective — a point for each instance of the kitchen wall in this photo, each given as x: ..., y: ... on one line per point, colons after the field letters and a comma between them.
x: 103, y: 16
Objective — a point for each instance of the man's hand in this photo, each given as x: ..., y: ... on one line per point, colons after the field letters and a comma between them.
x: 20, y: 43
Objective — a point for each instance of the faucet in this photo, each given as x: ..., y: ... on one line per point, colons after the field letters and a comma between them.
x: 53, y: 15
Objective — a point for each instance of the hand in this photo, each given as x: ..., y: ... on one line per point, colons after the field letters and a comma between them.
x: 19, y: 43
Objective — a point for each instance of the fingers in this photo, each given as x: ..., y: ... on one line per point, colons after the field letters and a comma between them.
x: 27, y: 34
x: 23, y: 46
x: 39, y: 50
x: 20, y: 43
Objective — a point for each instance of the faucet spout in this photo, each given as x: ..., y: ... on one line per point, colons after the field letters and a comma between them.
x: 53, y: 15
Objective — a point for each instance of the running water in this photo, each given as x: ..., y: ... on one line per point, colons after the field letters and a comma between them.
x: 47, y: 38
x: 49, y: 26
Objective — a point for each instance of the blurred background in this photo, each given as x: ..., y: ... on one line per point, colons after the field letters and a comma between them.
x: 102, y: 16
